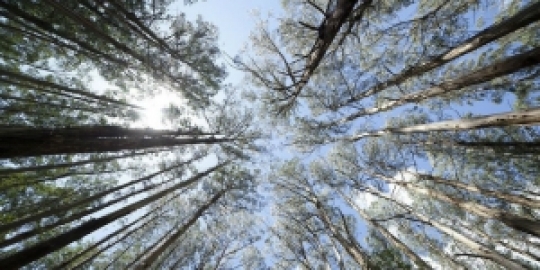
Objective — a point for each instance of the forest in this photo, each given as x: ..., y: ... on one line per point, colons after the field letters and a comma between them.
x: 361, y: 134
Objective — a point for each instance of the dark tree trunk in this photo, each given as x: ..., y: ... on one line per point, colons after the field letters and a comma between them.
x: 30, y: 254
x: 26, y: 142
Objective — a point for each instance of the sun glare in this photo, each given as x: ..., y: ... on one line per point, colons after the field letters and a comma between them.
x: 151, y: 116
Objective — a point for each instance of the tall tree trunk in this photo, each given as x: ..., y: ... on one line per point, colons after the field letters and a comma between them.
x: 349, y: 245
x: 61, y: 88
x: 76, y: 216
x: 512, y: 148
x: 522, y: 200
x: 328, y: 31
x: 65, y: 264
x: 69, y: 164
x: 70, y: 206
x: 30, y: 254
x: 153, y: 256
x: 516, y: 222
x: 478, y: 248
x: 523, y: 18
x: 421, y: 264
x: 525, y: 117
x: 504, y: 67
x: 25, y: 141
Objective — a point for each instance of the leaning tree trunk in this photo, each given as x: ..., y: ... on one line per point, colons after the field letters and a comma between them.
x: 70, y: 206
x: 353, y: 249
x: 421, y: 264
x: 69, y: 164
x: 522, y: 200
x: 479, y: 249
x: 525, y: 117
x: 523, y: 18
x: 120, y: 230
x: 32, y: 253
x: 153, y: 256
x: 504, y: 67
x: 523, y: 224
x: 76, y: 216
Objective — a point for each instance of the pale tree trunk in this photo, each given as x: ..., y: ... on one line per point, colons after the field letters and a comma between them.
x: 517, y: 199
x: 492, y: 148
x: 523, y: 18
x: 349, y: 245
x: 504, y: 67
x: 442, y: 257
x: 391, y: 238
x: 479, y: 249
x: 525, y: 117
x: 30, y: 254
x: 153, y: 256
x: 516, y: 222
x: 338, y: 255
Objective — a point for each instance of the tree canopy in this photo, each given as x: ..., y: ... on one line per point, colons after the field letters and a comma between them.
x: 365, y: 135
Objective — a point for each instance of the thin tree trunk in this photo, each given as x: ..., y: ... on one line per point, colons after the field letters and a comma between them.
x: 169, y: 232
x: 36, y: 231
x: 421, y: 264
x: 61, y: 88
x: 30, y: 254
x: 504, y: 67
x: 525, y: 117
x: 516, y: 222
x: 113, y: 234
x: 494, y: 147
x: 353, y: 249
x: 478, y: 248
x: 153, y: 256
x: 69, y: 164
x: 64, y: 208
x: 523, y: 18
x: 522, y: 200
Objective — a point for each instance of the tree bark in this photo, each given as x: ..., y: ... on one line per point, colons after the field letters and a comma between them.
x: 65, y: 264
x: 64, y: 208
x: 61, y: 88
x: 523, y: 18
x: 68, y: 164
x: 350, y: 246
x: 25, y: 142
x: 30, y: 254
x: 504, y: 67
x: 478, y: 248
x: 526, y: 117
x: 153, y: 256
x: 516, y: 222
x: 421, y: 264
x: 522, y: 200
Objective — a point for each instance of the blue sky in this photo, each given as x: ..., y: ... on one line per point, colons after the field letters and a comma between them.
x: 235, y: 20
